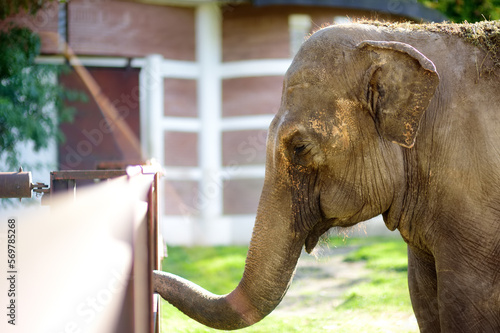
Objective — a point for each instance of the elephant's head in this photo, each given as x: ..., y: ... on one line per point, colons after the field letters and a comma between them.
x: 334, y: 158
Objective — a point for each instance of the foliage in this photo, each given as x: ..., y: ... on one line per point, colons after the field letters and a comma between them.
x: 466, y: 10
x: 12, y: 7
x: 28, y: 95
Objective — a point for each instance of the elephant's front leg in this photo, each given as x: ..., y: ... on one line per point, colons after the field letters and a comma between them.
x: 422, y: 283
x: 468, y: 292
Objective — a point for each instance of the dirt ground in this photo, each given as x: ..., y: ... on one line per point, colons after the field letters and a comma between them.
x: 321, y: 280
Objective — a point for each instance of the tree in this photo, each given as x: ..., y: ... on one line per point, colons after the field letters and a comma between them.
x: 12, y: 7
x: 466, y: 10
x: 29, y: 94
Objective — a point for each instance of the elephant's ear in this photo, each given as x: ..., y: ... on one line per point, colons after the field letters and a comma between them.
x: 402, y: 82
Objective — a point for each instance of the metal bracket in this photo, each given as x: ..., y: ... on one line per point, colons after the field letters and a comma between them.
x: 40, y: 188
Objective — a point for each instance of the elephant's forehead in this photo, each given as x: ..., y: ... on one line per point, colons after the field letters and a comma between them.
x: 303, y: 72
x: 291, y: 122
x: 319, y: 55
x: 314, y: 69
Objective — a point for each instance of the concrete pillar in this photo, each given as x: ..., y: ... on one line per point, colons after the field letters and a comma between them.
x: 208, y: 56
x: 152, y: 108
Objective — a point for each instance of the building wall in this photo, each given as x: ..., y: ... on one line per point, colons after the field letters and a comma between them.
x: 115, y: 28
x: 254, y: 33
x: 180, y: 97
x: 136, y: 30
x: 121, y: 28
x: 263, y: 32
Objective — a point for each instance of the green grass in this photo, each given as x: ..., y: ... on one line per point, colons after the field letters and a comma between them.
x: 218, y: 269
x: 382, y: 255
x: 387, y: 289
x: 381, y: 296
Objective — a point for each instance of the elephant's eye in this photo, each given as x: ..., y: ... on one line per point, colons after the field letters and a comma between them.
x: 302, y: 149
x: 299, y: 149
x: 303, y: 153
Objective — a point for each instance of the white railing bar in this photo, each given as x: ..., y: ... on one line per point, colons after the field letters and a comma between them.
x: 227, y: 172
x: 251, y: 68
x: 179, y: 69
x: 185, y: 69
x: 243, y: 172
x: 181, y: 124
x: 182, y: 173
x: 246, y: 122
x: 94, y: 61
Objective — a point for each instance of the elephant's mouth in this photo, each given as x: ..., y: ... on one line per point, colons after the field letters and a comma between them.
x: 319, y: 229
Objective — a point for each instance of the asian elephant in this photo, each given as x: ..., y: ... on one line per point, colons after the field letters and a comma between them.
x: 401, y: 120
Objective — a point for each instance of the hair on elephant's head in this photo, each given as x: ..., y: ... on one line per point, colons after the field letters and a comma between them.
x: 334, y: 158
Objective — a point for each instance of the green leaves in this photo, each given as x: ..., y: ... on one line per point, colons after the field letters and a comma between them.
x: 19, y: 48
x: 31, y: 100
x: 471, y: 11
x: 12, y: 7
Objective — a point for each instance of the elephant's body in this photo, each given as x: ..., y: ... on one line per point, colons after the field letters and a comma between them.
x: 449, y: 209
x: 402, y: 122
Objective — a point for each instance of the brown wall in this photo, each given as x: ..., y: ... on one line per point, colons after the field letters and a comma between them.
x: 119, y: 28
x: 180, y: 97
x: 181, y: 197
x: 252, y: 95
x: 116, y: 28
x: 244, y: 147
x: 254, y: 33
x: 181, y: 149
x: 130, y: 29
x: 241, y: 196
x: 89, y: 139
x: 262, y: 32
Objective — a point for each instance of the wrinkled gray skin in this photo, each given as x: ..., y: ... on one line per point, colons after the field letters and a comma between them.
x: 375, y: 121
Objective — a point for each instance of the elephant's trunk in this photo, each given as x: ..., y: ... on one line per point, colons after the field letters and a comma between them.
x: 222, y: 312
x: 269, y: 268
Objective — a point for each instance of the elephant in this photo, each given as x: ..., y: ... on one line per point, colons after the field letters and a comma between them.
x: 401, y: 120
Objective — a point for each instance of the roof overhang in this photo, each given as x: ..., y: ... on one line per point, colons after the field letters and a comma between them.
x: 407, y: 8
x: 187, y: 3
